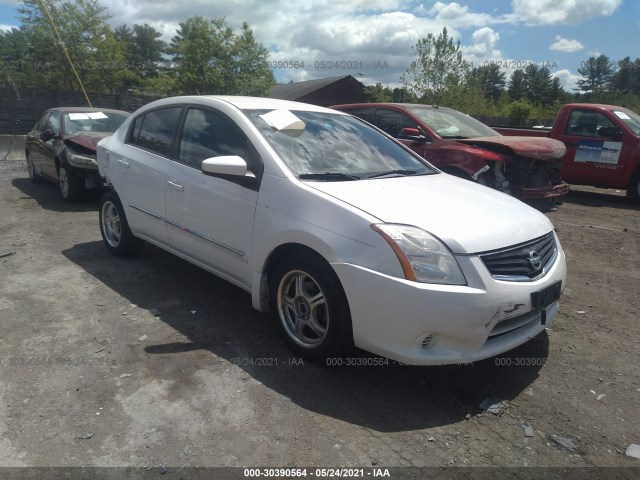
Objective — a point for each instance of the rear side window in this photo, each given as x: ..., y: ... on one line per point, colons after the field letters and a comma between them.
x: 155, y: 130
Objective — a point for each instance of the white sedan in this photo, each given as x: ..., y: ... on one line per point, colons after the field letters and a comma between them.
x: 344, y: 235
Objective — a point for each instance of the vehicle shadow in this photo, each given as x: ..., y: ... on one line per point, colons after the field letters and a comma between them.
x: 599, y: 198
x: 48, y: 196
x: 384, y: 398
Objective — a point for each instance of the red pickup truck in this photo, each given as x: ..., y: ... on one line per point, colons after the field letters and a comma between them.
x: 527, y: 168
x: 603, y: 145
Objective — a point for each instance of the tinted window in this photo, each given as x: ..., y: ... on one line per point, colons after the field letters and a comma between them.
x: 154, y: 131
x: 207, y: 134
x: 392, y: 122
x: 363, y: 113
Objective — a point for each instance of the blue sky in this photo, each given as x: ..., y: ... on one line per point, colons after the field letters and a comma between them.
x: 372, y: 39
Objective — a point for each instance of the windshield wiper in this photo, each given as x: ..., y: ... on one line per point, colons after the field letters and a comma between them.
x: 328, y: 176
x: 393, y: 172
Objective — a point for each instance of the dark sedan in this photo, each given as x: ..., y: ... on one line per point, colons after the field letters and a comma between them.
x: 62, y: 147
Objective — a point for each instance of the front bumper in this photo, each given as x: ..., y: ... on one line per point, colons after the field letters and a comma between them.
x: 426, y: 324
x: 541, y: 193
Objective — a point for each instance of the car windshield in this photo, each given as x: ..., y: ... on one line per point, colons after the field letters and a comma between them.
x: 85, y: 122
x: 631, y: 119
x: 451, y: 123
x: 336, y: 147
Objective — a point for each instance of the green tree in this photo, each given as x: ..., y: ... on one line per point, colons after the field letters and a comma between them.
x: 378, y: 93
x: 489, y: 79
x: 517, y: 86
x: 249, y: 72
x: 439, y: 66
x: 147, y: 50
x: 596, y: 73
x: 85, y: 36
x: 627, y: 78
x: 538, y: 83
x: 14, y: 56
x: 211, y: 59
x: 519, y: 111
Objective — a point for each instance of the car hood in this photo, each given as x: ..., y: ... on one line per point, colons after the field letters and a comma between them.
x: 87, y: 141
x: 539, y: 148
x: 468, y: 217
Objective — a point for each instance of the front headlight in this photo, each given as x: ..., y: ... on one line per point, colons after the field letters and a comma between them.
x: 80, y: 160
x: 423, y: 257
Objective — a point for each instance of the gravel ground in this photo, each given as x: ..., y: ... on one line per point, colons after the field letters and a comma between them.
x: 151, y: 362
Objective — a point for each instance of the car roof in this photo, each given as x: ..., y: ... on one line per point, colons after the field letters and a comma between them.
x: 390, y: 104
x: 241, y: 102
x: 86, y: 110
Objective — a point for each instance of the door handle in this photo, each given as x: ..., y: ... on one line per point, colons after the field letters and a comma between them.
x: 175, y: 186
x: 123, y: 162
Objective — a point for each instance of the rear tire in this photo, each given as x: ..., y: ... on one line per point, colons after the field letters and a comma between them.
x: 310, y: 307
x: 115, y: 229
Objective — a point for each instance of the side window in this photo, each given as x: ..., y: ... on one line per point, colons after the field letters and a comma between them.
x: 363, y: 113
x: 53, y: 123
x: 586, y: 123
x: 392, y: 122
x: 154, y: 130
x: 207, y: 134
x: 41, y: 126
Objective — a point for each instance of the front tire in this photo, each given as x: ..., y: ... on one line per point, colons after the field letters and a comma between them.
x: 71, y: 186
x: 634, y: 188
x: 31, y: 169
x: 115, y: 229
x: 310, y: 307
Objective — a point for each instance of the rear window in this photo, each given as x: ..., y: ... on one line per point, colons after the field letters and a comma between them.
x: 154, y: 130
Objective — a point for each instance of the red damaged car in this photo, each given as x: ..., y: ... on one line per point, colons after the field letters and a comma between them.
x: 525, y: 167
x: 62, y: 147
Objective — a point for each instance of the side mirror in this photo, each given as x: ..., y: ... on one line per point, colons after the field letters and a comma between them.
x: 225, y: 165
x: 230, y: 166
x: 412, y: 134
x: 610, y: 132
x: 47, y: 135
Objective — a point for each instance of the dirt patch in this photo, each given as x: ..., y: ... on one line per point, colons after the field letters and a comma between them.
x: 151, y: 361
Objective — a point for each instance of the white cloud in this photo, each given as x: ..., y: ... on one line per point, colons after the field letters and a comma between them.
x: 6, y: 28
x: 567, y: 79
x: 548, y: 12
x: 566, y: 45
x: 483, y: 46
x: 458, y: 16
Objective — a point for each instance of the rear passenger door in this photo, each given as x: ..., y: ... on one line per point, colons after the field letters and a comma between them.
x: 139, y: 173
x: 210, y: 218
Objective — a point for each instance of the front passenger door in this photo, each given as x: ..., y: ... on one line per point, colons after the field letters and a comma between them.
x: 210, y: 219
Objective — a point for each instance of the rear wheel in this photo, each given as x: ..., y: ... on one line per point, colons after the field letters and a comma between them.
x: 71, y: 186
x: 114, y: 227
x: 33, y: 176
x: 310, y: 307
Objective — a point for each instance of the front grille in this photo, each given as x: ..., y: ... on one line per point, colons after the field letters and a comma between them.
x: 522, y: 262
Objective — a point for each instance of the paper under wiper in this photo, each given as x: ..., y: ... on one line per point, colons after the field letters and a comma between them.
x: 283, y: 120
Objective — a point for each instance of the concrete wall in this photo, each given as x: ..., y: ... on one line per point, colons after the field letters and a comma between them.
x: 14, y: 145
